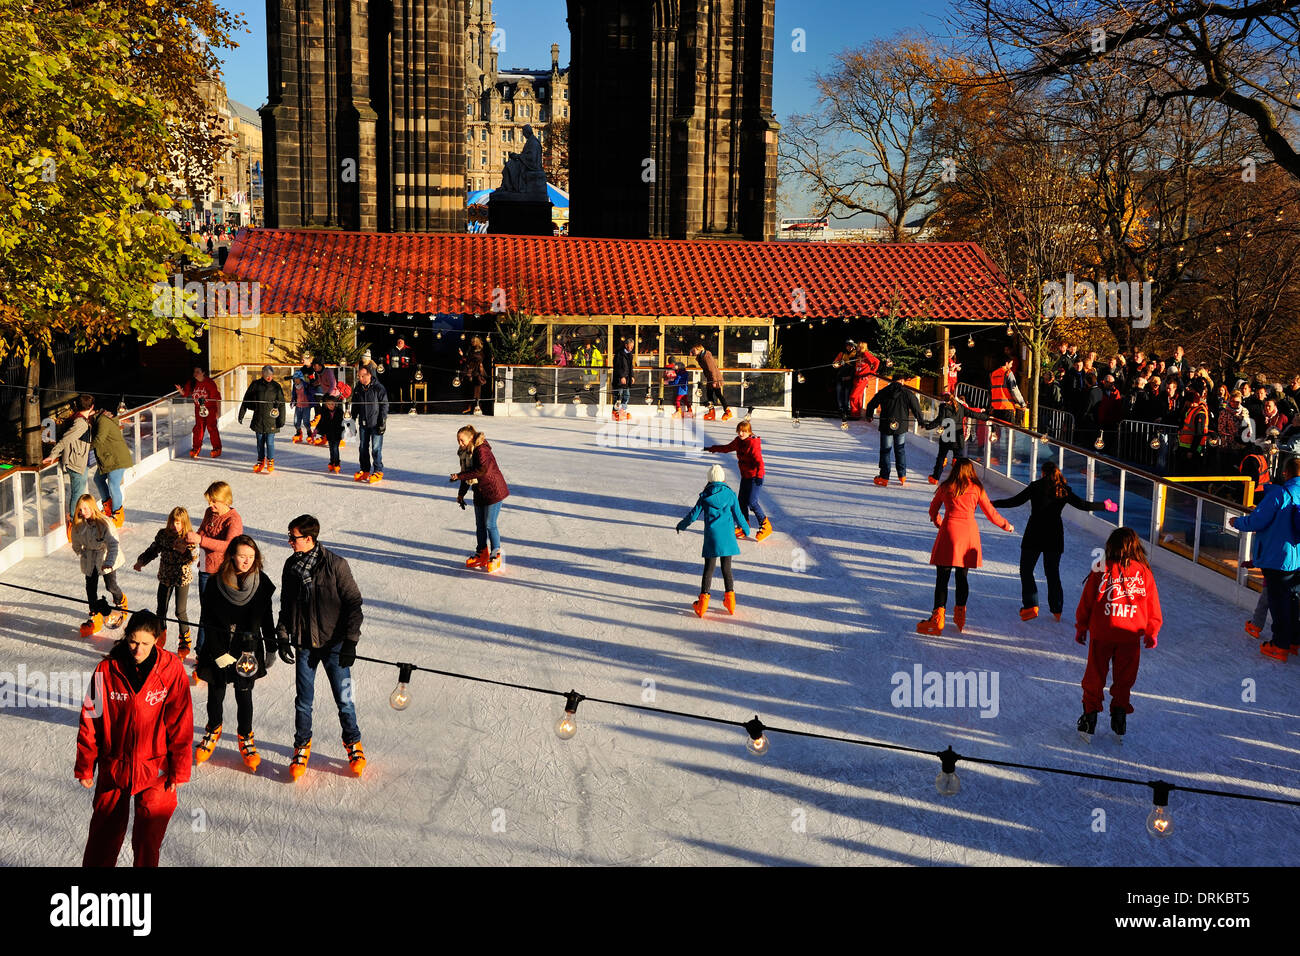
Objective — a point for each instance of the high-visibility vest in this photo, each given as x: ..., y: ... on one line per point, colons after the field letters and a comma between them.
x: 1001, y: 395
x: 1187, y: 434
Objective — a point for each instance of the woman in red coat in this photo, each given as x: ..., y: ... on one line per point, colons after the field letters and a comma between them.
x: 137, y: 731
x: 957, y: 545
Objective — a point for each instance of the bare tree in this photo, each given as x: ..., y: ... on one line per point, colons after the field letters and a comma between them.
x: 864, y: 150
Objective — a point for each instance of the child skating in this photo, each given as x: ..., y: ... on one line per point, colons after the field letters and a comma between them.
x: 1121, y: 608
x: 718, y: 506
x: 749, y: 453
x: 94, y: 541
x: 330, y: 428
x: 680, y: 383
x: 176, y: 560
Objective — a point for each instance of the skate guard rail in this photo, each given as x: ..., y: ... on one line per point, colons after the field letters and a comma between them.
x: 1187, y: 522
x: 539, y: 386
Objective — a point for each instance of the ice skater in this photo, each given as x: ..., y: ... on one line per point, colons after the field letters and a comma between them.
x: 133, y: 745
x: 679, y: 382
x: 479, y: 471
x: 950, y: 419
x: 94, y: 541
x: 718, y: 506
x: 957, y: 545
x: 1121, y: 609
x: 896, y: 402
x: 176, y: 558
x: 1045, y: 536
x: 749, y: 453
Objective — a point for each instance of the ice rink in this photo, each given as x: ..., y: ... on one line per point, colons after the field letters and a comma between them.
x: 595, y: 595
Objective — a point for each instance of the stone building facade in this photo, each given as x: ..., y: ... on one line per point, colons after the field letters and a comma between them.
x: 500, y: 103
x: 364, y: 127
x: 673, y: 130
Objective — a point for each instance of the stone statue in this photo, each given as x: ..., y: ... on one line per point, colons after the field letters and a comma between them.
x: 523, y: 177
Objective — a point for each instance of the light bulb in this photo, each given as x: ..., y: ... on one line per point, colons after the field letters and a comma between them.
x: 893, y: 425
x: 400, y: 698
x: 1160, y: 823
x: 532, y: 389
x: 567, y: 725
x: 928, y: 353
x: 1009, y: 332
x: 795, y: 421
x: 757, y: 744
x: 539, y: 403
x: 1155, y: 443
x: 577, y: 400
x: 455, y: 382
x: 1099, y: 444
x: 390, y: 330
x: 361, y: 327
x: 947, y: 783
x: 246, y: 666
x: 800, y: 378
x: 419, y: 375
x: 970, y: 342
x: 438, y: 336
x: 415, y: 333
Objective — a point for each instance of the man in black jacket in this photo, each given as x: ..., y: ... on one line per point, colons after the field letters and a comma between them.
x: 370, y: 411
x: 320, y: 617
x: 622, y: 379
x: 896, y: 401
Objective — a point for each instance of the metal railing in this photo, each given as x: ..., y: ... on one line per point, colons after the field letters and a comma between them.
x: 540, y: 386
x: 1054, y: 422
x: 1168, y: 515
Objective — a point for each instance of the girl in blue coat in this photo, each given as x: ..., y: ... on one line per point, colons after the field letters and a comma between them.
x: 721, y: 512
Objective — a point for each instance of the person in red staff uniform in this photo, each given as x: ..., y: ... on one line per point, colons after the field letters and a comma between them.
x: 207, y: 409
x: 135, y: 744
x: 1121, y: 608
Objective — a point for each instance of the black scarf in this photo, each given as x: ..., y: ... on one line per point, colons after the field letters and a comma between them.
x: 304, y: 564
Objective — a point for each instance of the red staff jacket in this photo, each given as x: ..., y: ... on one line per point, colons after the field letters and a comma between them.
x: 136, y: 738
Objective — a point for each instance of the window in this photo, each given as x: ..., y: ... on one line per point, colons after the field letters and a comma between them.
x: 528, y: 112
x: 566, y: 94
x: 541, y: 92
x: 483, y: 134
x: 566, y: 112
x: 544, y: 114
x: 469, y: 109
x: 482, y: 158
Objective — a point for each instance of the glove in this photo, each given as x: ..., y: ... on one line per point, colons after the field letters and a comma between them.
x: 1148, y: 641
x: 348, y: 653
x: 1081, y: 636
x: 454, y: 478
x: 1111, y: 506
x: 381, y: 428
x: 460, y: 500
x: 285, y: 650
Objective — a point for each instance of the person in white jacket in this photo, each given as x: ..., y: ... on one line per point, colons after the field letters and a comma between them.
x: 94, y: 540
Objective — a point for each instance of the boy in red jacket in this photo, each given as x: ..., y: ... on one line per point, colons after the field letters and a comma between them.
x: 1121, y: 607
x: 749, y: 452
x: 137, y: 731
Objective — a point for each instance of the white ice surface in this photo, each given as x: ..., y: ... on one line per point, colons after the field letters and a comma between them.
x: 595, y: 595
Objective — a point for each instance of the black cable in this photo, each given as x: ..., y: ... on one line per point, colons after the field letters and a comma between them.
x: 875, y: 744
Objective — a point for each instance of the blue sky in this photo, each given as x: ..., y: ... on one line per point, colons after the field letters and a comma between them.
x: 531, y: 26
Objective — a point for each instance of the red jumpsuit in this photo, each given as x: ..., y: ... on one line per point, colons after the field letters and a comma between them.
x: 1121, y: 608
x: 207, y: 399
x: 139, y: 742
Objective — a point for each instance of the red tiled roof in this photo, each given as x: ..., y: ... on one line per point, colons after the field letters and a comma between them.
x: 306, y: 270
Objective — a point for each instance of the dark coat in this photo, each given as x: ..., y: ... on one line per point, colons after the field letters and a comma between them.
x: 895, y: 403
x: 335, y: 609
x: 490, y: 485
x: 331, y: 423
x: 709, y: 364
x: 951, y: 419
x: 231, y: 629
x: 266, y: 401
x: 622, y: 369
x: 109, y: 443
x: 474, y: 367
x: 370, y: 404
x: 1045, y: 531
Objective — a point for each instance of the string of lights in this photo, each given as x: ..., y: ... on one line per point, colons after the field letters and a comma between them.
x: 947, y: 783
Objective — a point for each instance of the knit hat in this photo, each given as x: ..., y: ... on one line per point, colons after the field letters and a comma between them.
x: 716, y: 473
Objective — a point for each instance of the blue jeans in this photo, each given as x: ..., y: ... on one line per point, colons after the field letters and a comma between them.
x: 749, y: 489
x: 203, y: 583
x: 372, y: 449
x: 76, y: 488
x: 265, y: 445
x: 341, y: 684
x: 302, y: 419
x: 900, y: 454
x: 622, y: 396
x: 485, y: 525
x: 110, y: 486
